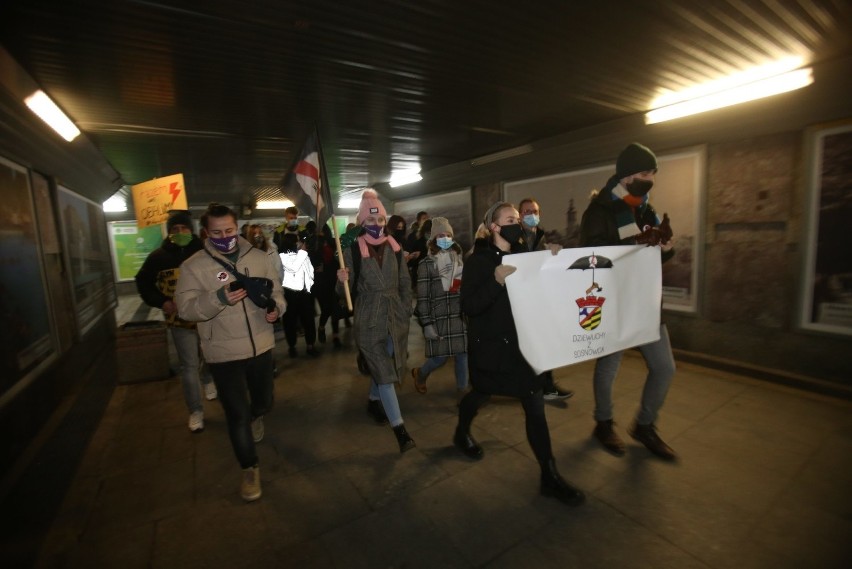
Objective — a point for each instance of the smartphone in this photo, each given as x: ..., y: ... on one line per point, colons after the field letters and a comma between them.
x: 236, y: 285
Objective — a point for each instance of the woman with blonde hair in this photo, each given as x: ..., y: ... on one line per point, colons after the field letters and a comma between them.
x: 497, y: 366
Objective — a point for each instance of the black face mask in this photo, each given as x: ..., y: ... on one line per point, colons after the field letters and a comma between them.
x: 513, y: 234
x: 399, y: 235
x: 638, y: 188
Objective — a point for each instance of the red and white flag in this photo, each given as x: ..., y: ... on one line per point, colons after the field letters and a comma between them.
x: 306, y: 183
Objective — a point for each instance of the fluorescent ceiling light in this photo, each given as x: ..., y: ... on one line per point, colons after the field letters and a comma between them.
x: 46, y: 109
x: 503, y: 154
x: 274, y: 204
x: 115, y: 204
x: 732, y: 95
x: 403, y: 178
x: 349, y: 203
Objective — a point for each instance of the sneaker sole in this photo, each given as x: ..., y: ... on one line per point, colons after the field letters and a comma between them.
x: 251, y: 497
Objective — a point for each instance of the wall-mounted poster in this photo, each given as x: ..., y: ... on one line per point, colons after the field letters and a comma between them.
x: 827, y: 301
x: 26, y: 338
x: 455, y: 206
x: 131, y: 245
x: 87, y: 258
x: 677, y: 191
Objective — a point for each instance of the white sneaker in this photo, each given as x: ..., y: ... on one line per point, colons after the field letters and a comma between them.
x: 210, y: 391
x: 257, y: 429
x: 250, y: 487
x: 196, y: 421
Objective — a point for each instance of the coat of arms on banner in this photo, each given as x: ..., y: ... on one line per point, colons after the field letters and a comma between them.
x: 591, y: 306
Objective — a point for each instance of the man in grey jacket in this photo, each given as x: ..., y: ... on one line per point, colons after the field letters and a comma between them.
x: 235, y: 327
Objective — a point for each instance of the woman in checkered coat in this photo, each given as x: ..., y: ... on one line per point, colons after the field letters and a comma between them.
x: 439, y: 306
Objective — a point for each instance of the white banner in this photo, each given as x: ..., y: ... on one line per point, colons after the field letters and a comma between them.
x: 584, y: 303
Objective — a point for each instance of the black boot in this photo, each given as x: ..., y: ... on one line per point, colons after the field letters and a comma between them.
x: 467, y: 444
x: 552, y: 484
x: 403, y: 438
x: 376, y: 411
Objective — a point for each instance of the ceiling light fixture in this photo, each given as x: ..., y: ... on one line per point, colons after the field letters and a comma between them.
x: 115, y: 204
x: 757, y: 83
x: 274, y: 204
x: 403, y: 178
x: 502, y: 155
x: 46, y: 109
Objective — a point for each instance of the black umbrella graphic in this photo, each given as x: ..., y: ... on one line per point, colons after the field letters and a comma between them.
x: 592, y: 262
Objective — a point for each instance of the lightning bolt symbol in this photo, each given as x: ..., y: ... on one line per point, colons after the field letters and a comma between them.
x: 174, y: 191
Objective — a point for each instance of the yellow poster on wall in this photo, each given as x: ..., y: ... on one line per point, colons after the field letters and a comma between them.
x: 152, y: 200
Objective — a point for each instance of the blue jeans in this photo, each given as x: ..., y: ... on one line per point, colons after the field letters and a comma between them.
x: 661, y: 369
x: 186, y: 345
x: 387, y: 394
x: 433, y: 363
x: 245, y: 392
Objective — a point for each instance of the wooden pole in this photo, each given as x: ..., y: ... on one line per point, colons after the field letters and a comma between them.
x: 342, y: 263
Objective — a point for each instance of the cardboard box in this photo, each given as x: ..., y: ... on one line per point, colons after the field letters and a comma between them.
x: 142, y: 350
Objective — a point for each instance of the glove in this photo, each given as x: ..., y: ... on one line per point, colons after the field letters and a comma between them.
x: 661, y: 234
x: 430, y: 333
x: 503, y: 271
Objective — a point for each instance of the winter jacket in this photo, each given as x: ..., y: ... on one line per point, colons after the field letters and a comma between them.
x: 441, y: 309
x: 298, y: 270
x: 157, y: 278
x: 494, y: 357
x: 382, y: 309
x: 227, y: 333
x: 599, y: 226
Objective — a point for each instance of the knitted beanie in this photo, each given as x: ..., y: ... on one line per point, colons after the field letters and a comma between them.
x: 440, y: 225
x: 178, y: 217
x: 634, y: 159
x: 370, y: 205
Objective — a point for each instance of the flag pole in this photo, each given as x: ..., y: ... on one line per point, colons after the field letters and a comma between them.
x: 325, y: 186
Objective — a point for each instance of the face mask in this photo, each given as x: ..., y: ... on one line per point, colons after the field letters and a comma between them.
x: 180, y: 239
x: 224, y: 244
x: 293, y: 224
x: 399, y: 235
x: 512, y: 233
x: 531, y: 220
x: 444, y: 242
x: 638, y: 188
x: 258, y: 240
x: 374, y: 231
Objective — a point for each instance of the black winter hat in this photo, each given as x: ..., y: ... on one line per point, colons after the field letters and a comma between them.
x: 178, y: 217
x: 634, y: 159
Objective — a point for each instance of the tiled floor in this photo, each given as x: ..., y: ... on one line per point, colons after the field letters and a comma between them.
x: 763, y: 480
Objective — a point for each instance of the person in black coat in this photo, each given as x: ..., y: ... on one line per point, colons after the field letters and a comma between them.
x: 497, y: 366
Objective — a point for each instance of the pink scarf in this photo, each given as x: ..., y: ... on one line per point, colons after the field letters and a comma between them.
x: 366, y: 238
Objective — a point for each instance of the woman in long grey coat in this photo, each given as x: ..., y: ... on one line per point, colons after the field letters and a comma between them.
x: 439, y: 306
x: 381, y: 286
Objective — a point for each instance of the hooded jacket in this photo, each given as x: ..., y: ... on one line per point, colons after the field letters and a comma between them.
x: 158, y: 276
x: 227, y: 333
x: 298, y: 270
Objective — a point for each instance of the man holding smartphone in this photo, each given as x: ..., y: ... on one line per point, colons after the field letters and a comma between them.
x: 235, y: 330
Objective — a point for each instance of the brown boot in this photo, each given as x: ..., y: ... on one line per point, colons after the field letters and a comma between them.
x: 608, y: 438
x: 647, y: 435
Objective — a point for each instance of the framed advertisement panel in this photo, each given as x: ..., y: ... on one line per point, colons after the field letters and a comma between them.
x: 130, y: 246
x: 678, y: 191
x: 827, y: 298
x: 455, y: 206
x: 27, y: 338
x: 87, y: 257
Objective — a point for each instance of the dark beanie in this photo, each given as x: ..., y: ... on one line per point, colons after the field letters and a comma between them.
x: 634, y: 159
x: 178, y: 217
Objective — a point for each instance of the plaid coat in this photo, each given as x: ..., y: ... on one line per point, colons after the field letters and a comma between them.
x: 441, y: 309
x: 382, y: 309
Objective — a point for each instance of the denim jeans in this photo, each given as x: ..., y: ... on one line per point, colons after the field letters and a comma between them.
x: 661, y: 369
x: 387, y: 394
x: 186, y: 345
x: 245, y: 392
x: 433, y: 363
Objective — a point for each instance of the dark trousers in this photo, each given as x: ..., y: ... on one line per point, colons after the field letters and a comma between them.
x: 245, y: 392
x: 300, y: 309
x: 329, y: 306
x: 538, y: 434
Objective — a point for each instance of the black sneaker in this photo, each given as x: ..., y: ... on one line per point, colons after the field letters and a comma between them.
x: 558, y: 394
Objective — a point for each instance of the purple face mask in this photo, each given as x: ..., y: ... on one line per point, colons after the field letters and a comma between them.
x: 224, y: 244
x: 374, y: 231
